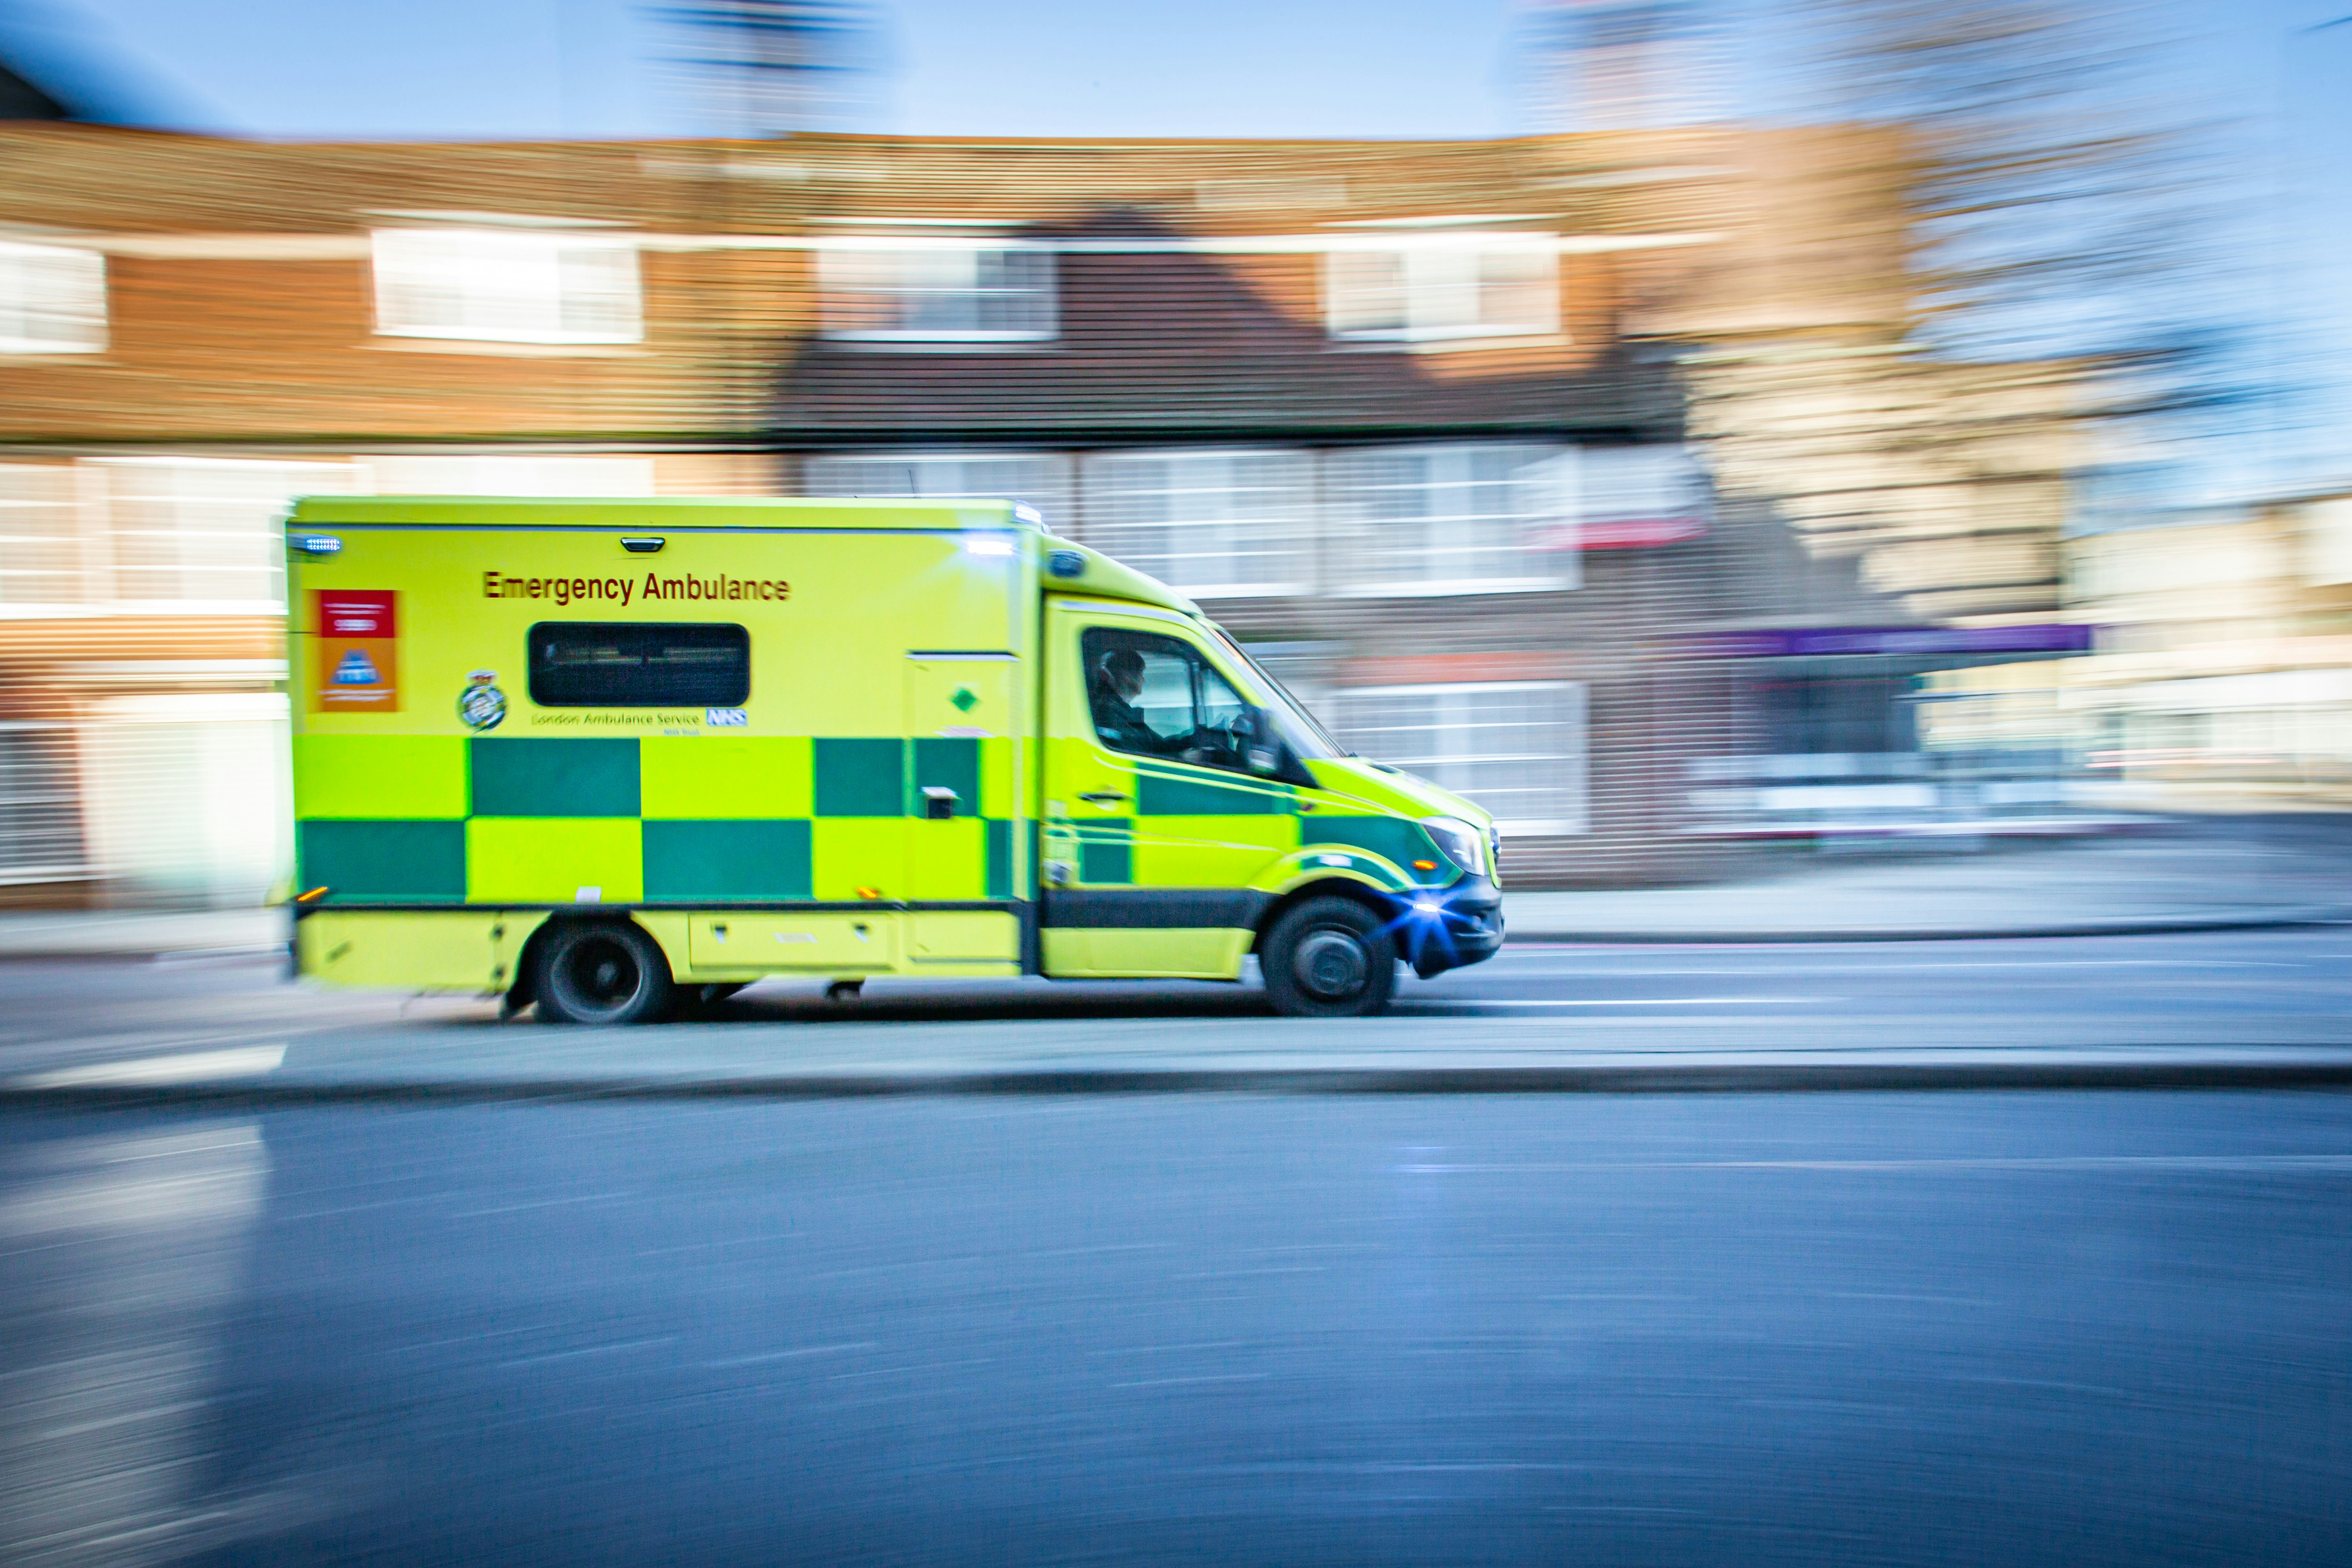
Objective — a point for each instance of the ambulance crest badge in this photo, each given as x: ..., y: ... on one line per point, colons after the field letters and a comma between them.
x: 482, y: 705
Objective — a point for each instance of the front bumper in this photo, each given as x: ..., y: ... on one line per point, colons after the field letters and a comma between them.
x: 1446, y: 928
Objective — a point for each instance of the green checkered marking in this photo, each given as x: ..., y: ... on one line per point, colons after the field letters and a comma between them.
x: 859, y: 777
x: 697, y: 820
x: 576, y: 777
x: 402, y: 862
x: 953, y: 763
x: 1107, y: 850
x: 1163, y: 795
x: 734, y: 859
x: 999, y: 882
x: 1392, y: 837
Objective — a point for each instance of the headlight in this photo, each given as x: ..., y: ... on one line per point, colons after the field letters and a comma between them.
x: 1458, y: 839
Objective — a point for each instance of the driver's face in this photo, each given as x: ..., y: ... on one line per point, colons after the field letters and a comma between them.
x: 1129, y: 683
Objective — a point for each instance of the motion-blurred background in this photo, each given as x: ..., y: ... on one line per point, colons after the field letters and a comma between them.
x: 1700, y: 430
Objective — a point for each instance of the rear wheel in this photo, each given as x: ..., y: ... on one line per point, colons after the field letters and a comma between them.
x: 1329, y: 958
x: 604, y: 973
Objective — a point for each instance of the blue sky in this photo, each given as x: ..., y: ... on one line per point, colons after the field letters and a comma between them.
x: 2275, y: 84
x: 585, y: 67
x: 504, y: 69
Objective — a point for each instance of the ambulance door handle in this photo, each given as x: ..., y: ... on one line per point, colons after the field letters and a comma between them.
x: 1105, y: 798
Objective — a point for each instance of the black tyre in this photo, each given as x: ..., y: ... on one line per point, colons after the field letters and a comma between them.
x: 607, y: 971
x: 1328, y: 958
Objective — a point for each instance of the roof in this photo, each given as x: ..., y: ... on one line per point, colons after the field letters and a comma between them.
x: 652, y: 511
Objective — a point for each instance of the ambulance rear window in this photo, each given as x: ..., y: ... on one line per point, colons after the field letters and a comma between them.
x: 631, y: 664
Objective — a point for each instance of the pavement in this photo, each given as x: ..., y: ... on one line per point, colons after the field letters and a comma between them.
x: 1747, y: 1331
x: 2210, y: 1009
x: 2213, y: 874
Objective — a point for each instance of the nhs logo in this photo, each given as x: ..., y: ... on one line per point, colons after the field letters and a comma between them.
x: 724, y: 718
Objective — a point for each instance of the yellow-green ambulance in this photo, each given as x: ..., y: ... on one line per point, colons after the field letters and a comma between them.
x: 615, y: 757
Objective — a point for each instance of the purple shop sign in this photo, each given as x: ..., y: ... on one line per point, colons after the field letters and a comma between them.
x: 1822, y: 642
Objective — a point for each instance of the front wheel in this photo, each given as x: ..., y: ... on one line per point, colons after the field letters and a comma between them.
x: 1329, y: 958
x: 605, y: 972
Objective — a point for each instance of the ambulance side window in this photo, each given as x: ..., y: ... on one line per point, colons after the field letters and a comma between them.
x: 638, y: 664
x: 1154, y: 695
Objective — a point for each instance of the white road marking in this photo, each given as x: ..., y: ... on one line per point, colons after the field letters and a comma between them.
x: 1859, y: 968
x: 796, y: 1354
x: 1622, y: 1001
x: 184, y: 1067
x: 1991, y: 1162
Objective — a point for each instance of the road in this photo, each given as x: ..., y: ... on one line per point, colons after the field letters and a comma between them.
x: 2016, y: 1328
x: 2269, y: 995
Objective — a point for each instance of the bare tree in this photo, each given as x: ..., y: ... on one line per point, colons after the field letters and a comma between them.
x: 2066, y: 192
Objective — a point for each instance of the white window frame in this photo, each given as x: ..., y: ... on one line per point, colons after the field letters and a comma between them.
x: 1346, y: 497
x: 450, y: 283
x: 853, y: 271
x: 214, y: 549
x: 1294, y: 535
x: 51, y: 803
x: 833, y: 474
x: 44, y: 569
x: 1441, y: 289
x: 1576, y: 784
x: 52, y: 299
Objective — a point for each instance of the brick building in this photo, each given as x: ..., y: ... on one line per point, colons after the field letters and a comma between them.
x: 1405, y: 415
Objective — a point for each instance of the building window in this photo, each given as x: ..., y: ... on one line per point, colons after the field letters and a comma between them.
x: 1215, y: 525
x: 511, y: 286
x: 1467, y: 518
x: 40, y: 536
x: 40, y: 808
x: 52, y: 299
x: 1444, y: 289
x: 205, y: 535
x: 943, y: 293
x: 1629, y: 497
x: 1516, y: 747
x: 1040, y: 478
x: 188, y: 797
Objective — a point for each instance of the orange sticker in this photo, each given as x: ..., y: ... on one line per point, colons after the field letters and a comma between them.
x: 355, y: 651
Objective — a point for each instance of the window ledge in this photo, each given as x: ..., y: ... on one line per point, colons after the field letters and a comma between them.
x: 937, y: 345
x: 495, y: 347
x: 1244, y: 591
x: 1458, y: 588
x: 1466, y: 345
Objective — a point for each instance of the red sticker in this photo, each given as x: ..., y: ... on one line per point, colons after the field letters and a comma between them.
x: 355, y: 640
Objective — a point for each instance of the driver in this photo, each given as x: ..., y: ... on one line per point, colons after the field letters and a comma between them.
x: 1117, y: 681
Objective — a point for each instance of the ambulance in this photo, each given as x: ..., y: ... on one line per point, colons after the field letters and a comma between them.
x: 621, y: 758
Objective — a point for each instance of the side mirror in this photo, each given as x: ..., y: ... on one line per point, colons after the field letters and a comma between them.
x: 1269, y: 756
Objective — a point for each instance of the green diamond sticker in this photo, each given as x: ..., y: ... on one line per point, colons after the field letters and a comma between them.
x: 963, y: 699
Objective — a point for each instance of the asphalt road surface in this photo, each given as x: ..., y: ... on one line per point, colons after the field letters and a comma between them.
x: 1990, y: 1328
x: 2013, y: 1329
x: 2208, y: 995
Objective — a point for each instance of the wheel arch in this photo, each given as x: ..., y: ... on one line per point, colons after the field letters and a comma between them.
x: 1363, y: 892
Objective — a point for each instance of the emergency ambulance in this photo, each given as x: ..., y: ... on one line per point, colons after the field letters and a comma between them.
x: 620, y: 757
